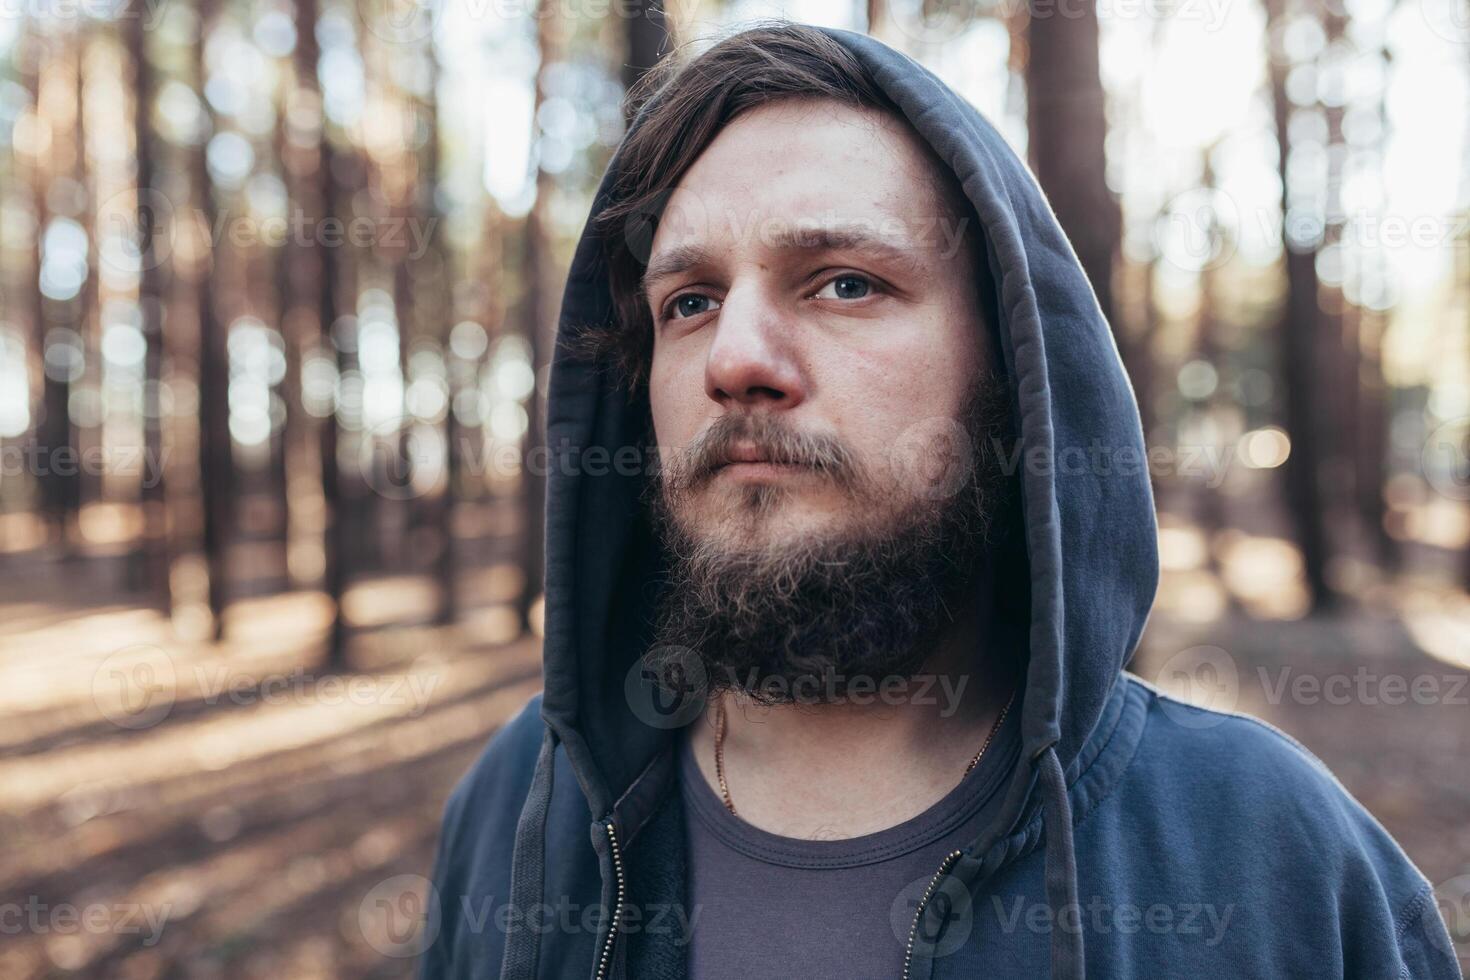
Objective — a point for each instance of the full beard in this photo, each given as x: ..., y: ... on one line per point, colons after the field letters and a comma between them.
x: 828, y: 613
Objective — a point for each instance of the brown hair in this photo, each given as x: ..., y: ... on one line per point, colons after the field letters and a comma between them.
x: 688, y: 103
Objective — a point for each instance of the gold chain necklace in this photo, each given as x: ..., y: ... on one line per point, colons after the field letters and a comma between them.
x: 720, y: 746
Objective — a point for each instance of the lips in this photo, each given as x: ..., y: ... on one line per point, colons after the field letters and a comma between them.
x: 746, y: 453
x: 751, y: 459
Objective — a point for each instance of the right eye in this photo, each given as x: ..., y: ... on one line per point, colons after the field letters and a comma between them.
x: 690, y: 304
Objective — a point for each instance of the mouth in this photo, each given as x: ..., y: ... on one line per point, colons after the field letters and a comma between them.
x: 746, y: 461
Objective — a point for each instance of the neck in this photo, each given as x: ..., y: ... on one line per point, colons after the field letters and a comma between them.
x: 866, y: 762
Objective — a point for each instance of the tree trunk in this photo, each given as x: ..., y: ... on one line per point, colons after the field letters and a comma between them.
x: 1067, y: 129
x: 1372, y: 442
x: 316, y: 201
x: 215, y: 457
x: 56, y: 437
x: 445, y: 566
x: 1299, y: 334
x: 541, y: 335
x: 1212, y: 512
x: 647, y: 37
x: 1372, y: 450
x: 152, y: 560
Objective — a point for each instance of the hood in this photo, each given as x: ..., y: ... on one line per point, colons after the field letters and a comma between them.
x: 1089, y: 528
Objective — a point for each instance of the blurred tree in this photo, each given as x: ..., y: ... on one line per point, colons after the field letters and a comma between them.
x: 1338, y: 370
x: 84, y: 189
x: 438, y: 257
x: 875, y: 13
x: 1211, y: 503
x: 1067, y: 129
x: 313, y: 199
x: 299, y: 336
x: 59, y: 318
x: 151, y: 560
x: 540, y: 311
x: 647, y: 40
x: 1139, y: 332
x: 216, y: 462
x: 1299, y: 334
x: 1366, y: 386
x: 1370, y: 443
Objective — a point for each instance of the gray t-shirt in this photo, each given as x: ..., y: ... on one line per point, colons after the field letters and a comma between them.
x: 771, y: 906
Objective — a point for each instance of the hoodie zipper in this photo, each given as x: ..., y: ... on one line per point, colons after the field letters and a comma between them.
x: 908, y: 956
x: 621, y: 893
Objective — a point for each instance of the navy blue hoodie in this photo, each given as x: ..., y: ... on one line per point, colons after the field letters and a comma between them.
x: 1139, y: 837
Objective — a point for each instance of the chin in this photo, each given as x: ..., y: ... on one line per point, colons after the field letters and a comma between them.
x: 752, y: 519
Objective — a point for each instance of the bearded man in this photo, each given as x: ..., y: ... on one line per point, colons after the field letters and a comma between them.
x: 834, y: 686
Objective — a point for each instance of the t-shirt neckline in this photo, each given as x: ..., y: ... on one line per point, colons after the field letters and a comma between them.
x: 970, y: 795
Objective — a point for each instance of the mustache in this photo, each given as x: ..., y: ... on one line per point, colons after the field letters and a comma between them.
x: 777, y: 441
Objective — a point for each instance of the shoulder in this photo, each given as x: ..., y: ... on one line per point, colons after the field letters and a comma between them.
x: 485, y: 805
x: 1236, y: 790
x: 1219, y: 764
x: 497, y: 782
x: 476, y: 840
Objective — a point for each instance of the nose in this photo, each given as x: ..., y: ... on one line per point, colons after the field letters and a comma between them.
x: 752, y: 360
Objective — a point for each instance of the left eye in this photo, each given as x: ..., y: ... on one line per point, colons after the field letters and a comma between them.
x: 846, y: 287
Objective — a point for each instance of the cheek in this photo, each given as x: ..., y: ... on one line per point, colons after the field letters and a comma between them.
x: 889, y: 388
x: 898, y: 404
x: 675, y: 396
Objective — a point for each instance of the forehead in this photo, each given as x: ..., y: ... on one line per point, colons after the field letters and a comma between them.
x: 800, y: 163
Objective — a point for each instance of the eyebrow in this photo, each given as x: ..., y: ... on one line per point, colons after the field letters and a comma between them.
x: 804, y: 238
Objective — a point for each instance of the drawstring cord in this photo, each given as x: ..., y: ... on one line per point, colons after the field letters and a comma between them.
x: 1067, y: 956
x: 528, y: 869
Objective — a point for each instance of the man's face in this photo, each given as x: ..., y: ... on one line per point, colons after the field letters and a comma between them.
x: 817, y: 329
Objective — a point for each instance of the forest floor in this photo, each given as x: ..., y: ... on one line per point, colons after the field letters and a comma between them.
x: 178, y: 809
